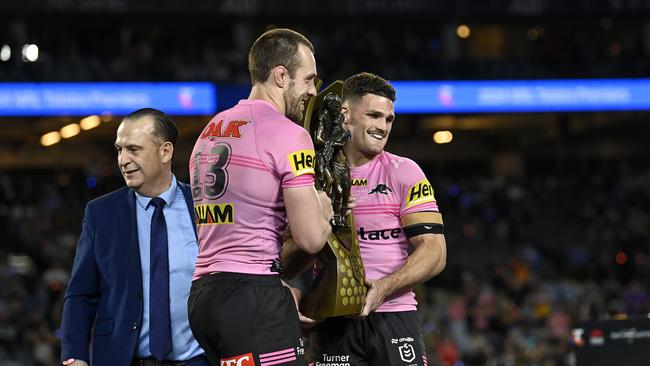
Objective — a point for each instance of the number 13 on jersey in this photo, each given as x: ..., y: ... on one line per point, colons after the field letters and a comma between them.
x: 213, y: 183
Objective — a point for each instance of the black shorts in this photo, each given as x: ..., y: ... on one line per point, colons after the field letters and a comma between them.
x: 242, y: 319
x: 379, y: 339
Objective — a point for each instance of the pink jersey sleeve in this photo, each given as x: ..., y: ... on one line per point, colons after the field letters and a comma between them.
x: 290, y: 154
x: 415, y: 189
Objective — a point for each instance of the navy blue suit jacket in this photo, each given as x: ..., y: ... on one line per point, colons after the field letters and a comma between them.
x: 103, y: 302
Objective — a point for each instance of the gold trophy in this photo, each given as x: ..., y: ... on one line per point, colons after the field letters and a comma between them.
x: 339, y: 283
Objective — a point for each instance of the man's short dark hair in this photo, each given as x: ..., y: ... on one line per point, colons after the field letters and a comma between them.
x: 277, y: 47
x: 164, y: 127
x: 356, y: 86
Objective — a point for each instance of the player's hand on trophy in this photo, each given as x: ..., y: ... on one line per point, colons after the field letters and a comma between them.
x: 352, y: 203
x: 305, y: 322
x: 73, y: 362
x: 374, y: 297
x: 326, y: 205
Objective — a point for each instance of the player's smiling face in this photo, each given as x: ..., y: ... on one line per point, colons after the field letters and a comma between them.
x: 301, y: 86
x: 369, y: 120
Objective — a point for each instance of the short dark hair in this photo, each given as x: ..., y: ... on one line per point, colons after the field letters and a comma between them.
x: 164, y: 127
x: 356, y: 86
x: 276, y: 47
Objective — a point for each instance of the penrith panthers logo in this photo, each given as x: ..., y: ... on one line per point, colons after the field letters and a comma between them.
x: 381, y: 188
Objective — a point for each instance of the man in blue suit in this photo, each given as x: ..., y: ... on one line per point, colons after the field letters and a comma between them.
x: 126, y: 303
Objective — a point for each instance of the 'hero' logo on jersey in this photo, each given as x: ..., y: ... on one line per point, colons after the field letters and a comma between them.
x: 302, y: 162
x: 243, y: 360
x: 216, y: 129
x: 214, y: 214
x: 359, y: 182
x: 420, y: 192
x: 379, y: 234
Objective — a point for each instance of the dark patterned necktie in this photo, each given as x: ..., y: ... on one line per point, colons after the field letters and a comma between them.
x: 160, y: 340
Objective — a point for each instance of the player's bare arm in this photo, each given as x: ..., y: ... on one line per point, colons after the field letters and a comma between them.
x: 427, y: 260
x: 309, y: 215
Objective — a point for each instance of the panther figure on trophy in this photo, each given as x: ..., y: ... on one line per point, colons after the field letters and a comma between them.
x: 332, y: 170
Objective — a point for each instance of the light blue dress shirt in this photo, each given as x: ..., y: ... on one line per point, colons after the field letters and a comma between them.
x: 183, y: 249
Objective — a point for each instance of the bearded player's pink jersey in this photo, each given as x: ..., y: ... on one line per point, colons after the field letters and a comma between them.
x: 241, y: 162
x: 387, y: 188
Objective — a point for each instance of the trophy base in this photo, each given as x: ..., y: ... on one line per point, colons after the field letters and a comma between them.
x: 339, y: 286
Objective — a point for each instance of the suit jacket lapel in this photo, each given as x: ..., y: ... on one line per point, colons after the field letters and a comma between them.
x: 190, y: 204
x: 131, y: 229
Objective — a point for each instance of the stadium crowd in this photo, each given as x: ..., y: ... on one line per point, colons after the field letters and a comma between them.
x: 186, y: 48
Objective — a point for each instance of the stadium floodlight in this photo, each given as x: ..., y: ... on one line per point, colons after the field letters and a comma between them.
x: 463, y: 31
x: 442, y: 137
x: 70, y: 130
x: 90, y: 122
x: 5, y: 53
x: 30, y: 52
x: 50, y: 138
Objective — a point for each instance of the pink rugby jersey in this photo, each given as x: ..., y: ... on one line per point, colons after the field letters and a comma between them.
x: 239, y: 165
x: 387, y: 188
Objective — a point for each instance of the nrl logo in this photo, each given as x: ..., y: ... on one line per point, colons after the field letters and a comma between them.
x: 406, y: 352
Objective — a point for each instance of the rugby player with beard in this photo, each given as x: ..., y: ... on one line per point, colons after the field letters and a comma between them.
x: 252, y: 172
